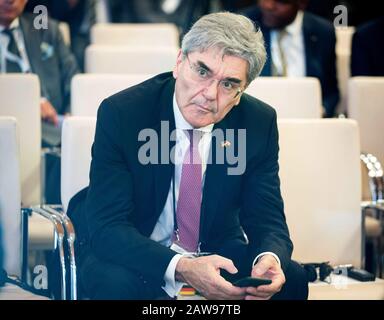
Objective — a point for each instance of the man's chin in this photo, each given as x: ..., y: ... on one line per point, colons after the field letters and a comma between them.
x: 196, y: 123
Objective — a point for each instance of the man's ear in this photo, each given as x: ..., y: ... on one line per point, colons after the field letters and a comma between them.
x: 238, y: 99
x: 179, y: 59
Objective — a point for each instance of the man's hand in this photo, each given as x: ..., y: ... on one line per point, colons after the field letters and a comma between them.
x: 48, y: 112
x: 203, y: 274
x: 266, y: 267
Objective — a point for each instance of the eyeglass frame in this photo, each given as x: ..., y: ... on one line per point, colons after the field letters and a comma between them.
x: 194, y: 69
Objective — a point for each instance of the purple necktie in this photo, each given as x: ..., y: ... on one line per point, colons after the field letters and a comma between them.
x: 190, y: 194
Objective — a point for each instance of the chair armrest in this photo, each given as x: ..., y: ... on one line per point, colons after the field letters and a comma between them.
x: 60, y: 236
x: 375, y: 176
x: 58, y: 211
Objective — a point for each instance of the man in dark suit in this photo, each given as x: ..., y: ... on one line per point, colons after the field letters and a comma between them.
x: 158, y: 198
x: 298, y: 44
x: 368, y: 49
x: 40, y: 51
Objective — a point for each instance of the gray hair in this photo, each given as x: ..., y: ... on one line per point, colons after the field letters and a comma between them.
x: 233, y: 34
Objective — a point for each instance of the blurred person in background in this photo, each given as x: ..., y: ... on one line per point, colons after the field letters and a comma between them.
x: 298, y: 44
x: 368, y: 49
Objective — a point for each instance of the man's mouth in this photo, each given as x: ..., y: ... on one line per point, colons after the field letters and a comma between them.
x: 204, y: 108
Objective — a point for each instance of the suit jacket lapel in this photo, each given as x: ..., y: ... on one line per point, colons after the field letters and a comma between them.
x: 214, y: 181
x: 32, y: 40
x: 163, y: 172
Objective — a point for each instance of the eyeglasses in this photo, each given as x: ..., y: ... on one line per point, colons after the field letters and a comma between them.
x: 202, y: 74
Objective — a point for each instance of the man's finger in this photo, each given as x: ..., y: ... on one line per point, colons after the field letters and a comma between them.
x: 261, y: 268
x: 224, y: 263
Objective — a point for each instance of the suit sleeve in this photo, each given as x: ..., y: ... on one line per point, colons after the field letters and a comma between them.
x: 110, y: 205
x: 262, y: 215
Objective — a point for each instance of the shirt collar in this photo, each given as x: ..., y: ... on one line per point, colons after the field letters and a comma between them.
x: 15, y: 24
x: 295, y: 27
x: 181, y: 123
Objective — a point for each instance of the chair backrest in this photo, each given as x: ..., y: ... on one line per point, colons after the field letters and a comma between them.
x: 343, y: 61
x: 77, y: 138
x: 366, y: 105
x: 136, y: 34
x: 89, y: 90
x: 344, y: 38
x: 125, y: 59
x: 64, y: 29
x: 320, y: 183
x: 10, y: 197
x: 20, y: 98
x: 291, y: 97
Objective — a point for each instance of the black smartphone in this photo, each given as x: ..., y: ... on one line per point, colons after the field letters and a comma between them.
x: 251, y: 282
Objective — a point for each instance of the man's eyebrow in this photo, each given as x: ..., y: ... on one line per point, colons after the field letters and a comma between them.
x: 203, y: 65
x: 234, y: 80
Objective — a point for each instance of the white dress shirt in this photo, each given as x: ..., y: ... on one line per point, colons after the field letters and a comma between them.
x: 293, y: 48
x: 164, y: 227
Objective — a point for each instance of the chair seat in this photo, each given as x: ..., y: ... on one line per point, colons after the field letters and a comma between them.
x: 12, y: 292
x: 344, y: 288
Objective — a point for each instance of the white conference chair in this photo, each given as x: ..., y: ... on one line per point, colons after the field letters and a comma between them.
x: 320, y: 184
x: 343, y: 60
x: 10, y: 195
x: 20, y: 94
x: 125, y: 59
x: 343, y: 69
x: 10, y: 210
x: 291, y: 97
x: 344, y: 38
x: 77, y: 138
x: 20, y: 98
x: 136, y: 34
x: 89, y: 90
x: 366, y: 106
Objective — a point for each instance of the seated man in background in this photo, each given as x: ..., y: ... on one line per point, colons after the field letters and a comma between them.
x: 40, y: 51
x: 368, y: 49
x: 143, y: 222
x: 299, y: 44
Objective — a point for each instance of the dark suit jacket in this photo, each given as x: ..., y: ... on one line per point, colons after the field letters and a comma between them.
x: 368, y: 49
x: 56, y: 69
x: 126, y: 198
x: 320, y: 57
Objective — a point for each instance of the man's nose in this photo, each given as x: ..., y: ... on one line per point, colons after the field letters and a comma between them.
x: 211, y: 89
